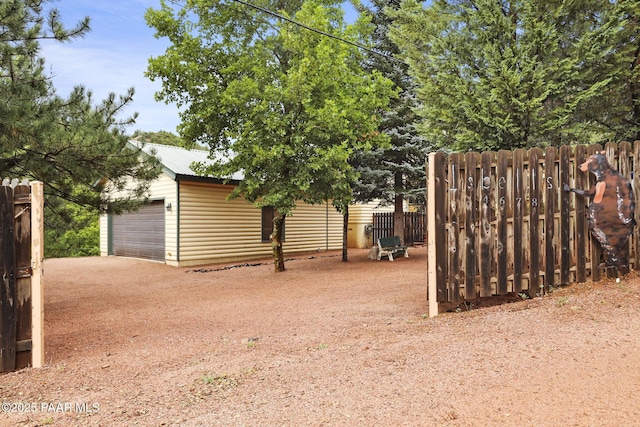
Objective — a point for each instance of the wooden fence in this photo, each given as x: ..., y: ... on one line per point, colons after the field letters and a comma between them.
x: 500, y: 223
x: 414, y: 226
x: 21, y: 302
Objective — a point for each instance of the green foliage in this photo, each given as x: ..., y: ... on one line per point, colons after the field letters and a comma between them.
x: 162, y: 137
x: 73, y: 231
x: 284, y: 105
x: 522, y: 73
x: 615, y: 110
x: 74, y: 147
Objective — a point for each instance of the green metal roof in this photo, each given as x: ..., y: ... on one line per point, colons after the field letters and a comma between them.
x: 178, y: 161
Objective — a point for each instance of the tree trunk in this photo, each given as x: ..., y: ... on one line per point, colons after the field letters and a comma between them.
x: 276, y: 242
x: 398, y: 217
x: 345, y: 235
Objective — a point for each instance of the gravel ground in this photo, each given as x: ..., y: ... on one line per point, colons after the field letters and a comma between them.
x: 130, y: 342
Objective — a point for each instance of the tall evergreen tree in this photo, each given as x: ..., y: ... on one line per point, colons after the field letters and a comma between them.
x: 74, y: 147
x: 397, y: 173
x: 615, y: 111
x: 511, y: 74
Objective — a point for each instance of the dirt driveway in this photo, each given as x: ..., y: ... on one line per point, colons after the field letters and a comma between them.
x: 130, y: 342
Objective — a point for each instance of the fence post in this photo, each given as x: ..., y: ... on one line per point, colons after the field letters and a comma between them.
x: 432, y: 279
x: 436, y: 259
x: 37, y: 287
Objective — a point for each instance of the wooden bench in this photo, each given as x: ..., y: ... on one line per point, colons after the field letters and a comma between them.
x: 391, y: 246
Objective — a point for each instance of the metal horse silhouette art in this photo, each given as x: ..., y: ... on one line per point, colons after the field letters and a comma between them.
x: 611, y: 213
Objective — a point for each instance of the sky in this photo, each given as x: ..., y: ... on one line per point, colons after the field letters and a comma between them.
x: 112, y: 57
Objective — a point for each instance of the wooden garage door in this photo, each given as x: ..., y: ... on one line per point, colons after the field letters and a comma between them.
x: 140, y: 234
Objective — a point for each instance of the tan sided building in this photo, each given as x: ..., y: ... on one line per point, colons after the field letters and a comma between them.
x: 190, y: 221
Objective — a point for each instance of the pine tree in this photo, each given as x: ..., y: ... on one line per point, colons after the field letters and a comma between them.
x: 77, y: 149
x: 511, y: 74
x: 394, y: 174
x: 615, y: 111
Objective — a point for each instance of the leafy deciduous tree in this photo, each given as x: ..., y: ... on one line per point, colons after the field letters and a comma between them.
x: 284, y: 105
x: 72, y: 231
x: 162, y: 137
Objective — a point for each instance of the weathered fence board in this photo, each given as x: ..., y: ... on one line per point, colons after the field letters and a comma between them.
x: 20, y: 286
x: 565, y: 216
x: 472, y: 162
x: 456, y: 160
x: 501, y: 223
x: 22, y: 244
x: 534, y: 220
x: 486, y: 217
x: 636, y: 193
x: 550, y: 191
x: 581, y: 231
x: 595, y: 250
x: 437, y: 216
x: 8, y: 282
x: 502, y: 182
x: 518, y: 219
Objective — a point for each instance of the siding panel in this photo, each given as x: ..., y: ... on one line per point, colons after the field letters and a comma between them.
x: 104, y: 235
x: 360, y: 216
x: 213, y: 229
x: 162, y: 188
x: 166, y: 188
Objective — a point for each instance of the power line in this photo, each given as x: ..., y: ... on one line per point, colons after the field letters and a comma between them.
x: 306, y: 27
x: 300, y: 24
